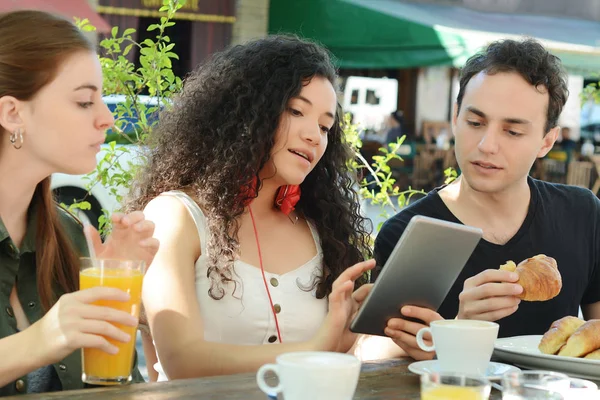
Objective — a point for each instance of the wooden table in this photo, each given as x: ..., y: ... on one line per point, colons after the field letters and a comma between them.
x: 383, y: 380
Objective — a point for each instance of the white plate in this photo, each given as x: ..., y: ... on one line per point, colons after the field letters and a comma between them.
x: 494, y: 370
x: 523, y: 351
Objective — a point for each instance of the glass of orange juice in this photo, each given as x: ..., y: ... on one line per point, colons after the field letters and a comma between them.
x: 449, y: 386
x: 99, y: 367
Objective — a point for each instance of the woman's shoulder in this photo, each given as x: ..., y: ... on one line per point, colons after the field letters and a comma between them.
x: 176, y: 222
x: 172, y: 207
x: 170, y: 201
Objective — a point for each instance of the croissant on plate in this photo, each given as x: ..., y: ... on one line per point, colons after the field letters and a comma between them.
x: 539, y: 277
x: 594, y: 355
x: 572, y: 337
x: 583, y: 341
x: 559, y: 333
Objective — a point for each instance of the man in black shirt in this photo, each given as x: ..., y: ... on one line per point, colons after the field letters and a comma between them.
x: 505, y: 117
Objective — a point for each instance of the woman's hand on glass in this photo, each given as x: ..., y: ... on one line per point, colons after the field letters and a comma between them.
x: 74, y: 323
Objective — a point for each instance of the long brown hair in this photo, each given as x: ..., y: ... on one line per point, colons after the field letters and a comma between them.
x: 33, y: 45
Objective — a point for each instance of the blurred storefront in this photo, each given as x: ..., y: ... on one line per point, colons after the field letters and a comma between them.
x: 202, y: 26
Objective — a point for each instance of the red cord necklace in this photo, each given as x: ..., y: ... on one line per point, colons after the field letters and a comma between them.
x: 262, y: 270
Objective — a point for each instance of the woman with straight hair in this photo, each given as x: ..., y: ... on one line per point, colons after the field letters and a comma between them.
x: 52, y: 119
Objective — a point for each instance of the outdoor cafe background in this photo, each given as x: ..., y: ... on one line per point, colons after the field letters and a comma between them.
x: 420, y: 46
x: 417, y: 45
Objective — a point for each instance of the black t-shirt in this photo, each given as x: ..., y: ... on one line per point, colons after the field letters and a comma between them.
x: 563, y: 222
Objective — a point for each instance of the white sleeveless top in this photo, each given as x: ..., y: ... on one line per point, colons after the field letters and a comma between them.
x: 243, y: 316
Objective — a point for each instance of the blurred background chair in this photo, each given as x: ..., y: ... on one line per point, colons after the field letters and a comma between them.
x: 579, y: 173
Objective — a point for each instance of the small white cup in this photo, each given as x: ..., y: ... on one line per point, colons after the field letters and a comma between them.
x: 312, y: 375
x: 462, y: 346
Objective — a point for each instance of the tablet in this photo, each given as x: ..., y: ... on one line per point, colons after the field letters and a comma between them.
x: 420, y: 271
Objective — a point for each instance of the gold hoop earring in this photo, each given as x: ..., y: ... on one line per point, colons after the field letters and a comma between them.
x: 16, y: 138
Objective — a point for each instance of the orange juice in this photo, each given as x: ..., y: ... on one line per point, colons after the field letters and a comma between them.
x: 449, y: 392
x: 99, y: 366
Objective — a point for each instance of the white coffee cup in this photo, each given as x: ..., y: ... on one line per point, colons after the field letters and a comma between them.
x: 312, y: 375
x: 462, y: 346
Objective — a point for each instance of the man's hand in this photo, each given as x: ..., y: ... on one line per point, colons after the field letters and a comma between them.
x: 490, y: 295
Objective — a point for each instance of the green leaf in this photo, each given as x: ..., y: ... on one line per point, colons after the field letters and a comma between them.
x: 401, y: 200
x: 127, y: 49
x: 88, y: 28
x: 78, y: 205
x: 148, y: 42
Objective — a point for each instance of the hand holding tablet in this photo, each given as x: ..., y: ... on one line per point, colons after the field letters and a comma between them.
x: 420, y: 271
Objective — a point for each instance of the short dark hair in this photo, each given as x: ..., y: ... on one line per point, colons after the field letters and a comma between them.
x: 529, y: 59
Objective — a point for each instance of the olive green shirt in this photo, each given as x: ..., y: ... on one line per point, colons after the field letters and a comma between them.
x: 19, y: 266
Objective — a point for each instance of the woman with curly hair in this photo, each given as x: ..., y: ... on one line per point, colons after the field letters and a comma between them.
x: 262, y: 242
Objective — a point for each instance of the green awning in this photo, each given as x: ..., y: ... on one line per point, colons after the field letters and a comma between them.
x: 363, y: 38
x: 400, y: 34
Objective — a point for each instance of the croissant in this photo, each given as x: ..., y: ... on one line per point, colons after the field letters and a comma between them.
x: 594, y: 355
x: 583, y: 341
x: 559, y: 332
x: 539, y: 277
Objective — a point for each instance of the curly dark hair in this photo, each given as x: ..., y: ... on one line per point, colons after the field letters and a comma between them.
x: 219, y: 134
x: 529, y: 59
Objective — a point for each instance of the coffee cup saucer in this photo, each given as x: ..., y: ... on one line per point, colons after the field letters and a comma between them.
x: 493, y: 372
